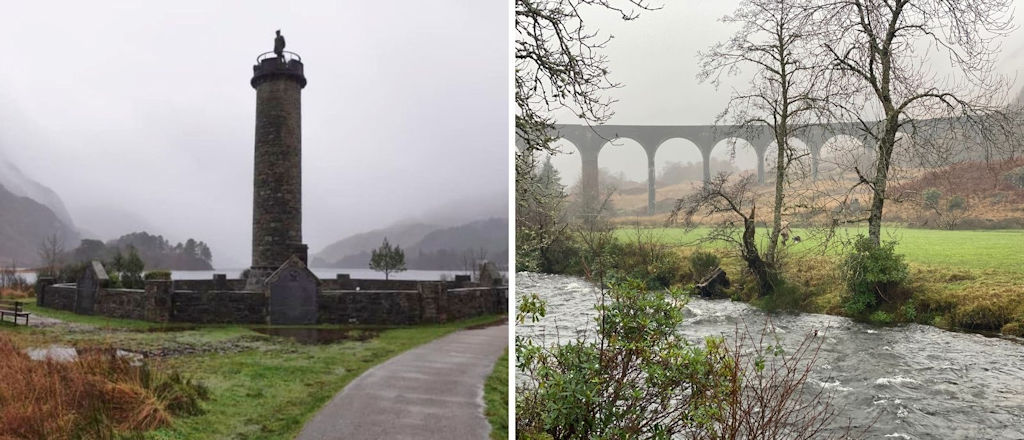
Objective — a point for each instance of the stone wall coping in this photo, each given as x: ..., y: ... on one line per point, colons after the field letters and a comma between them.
x: 369, y: 291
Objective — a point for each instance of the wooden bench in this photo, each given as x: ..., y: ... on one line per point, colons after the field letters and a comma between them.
x: 12, y: 308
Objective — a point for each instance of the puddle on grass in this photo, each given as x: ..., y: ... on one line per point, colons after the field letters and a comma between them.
x: 169, y: 328
x: 313, y: 336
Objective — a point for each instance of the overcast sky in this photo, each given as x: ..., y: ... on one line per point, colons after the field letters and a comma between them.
x: 655, y: 59
x: 145, y: 111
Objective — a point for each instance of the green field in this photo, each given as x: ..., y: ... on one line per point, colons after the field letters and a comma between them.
x: 998, y: 250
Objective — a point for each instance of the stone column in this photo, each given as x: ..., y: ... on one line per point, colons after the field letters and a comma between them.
x: 277, y: 175
x: 650, y: 184
x: 41, y: 284
x: 706, y: 157
x: 158, y: 300
x: 588, y: 180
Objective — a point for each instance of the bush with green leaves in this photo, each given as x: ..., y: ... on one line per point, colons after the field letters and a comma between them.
x: 638, y: 378
x: 624, y: 383
x: 871, y: 273
x: 702, y: 263
x: 163, y: 275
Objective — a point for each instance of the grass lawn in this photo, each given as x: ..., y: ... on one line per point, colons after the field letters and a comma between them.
x: 261, y: 387
x: 971, y: 280
x: 496, y: 398
x: 998, y: 250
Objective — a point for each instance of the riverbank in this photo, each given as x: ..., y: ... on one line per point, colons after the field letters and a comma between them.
x: 959, y: 280
x: 260, y: 386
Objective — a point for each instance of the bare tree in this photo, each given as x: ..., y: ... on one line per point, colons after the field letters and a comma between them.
x: 50, y: 252
x: 559, y: 65
x: 775, y: 39
x: 881, y: 52
x: 735, y: 199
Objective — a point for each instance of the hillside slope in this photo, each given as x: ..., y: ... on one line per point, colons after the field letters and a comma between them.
x: 24, y: 224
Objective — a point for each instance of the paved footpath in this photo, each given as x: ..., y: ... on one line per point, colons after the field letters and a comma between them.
x: 434, y: 391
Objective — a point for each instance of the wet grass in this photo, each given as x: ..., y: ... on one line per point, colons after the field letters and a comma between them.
x: 261, y: 387
x: 961, y: 280
x: 998, y: 250
x: 496, y: 398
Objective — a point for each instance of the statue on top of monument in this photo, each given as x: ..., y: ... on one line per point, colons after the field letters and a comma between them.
x: 279, y: 45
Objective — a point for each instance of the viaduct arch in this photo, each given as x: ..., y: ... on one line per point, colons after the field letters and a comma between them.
x: 590, y: 140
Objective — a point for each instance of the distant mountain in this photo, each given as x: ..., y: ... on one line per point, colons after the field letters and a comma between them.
x: 440, y: 248
x: 25, y: 224
x: 19, y: 184
x: 402, y: 234
x: 490, y: 234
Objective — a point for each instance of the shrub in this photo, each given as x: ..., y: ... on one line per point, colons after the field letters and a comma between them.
x: 702, y: 263
x: 639, y: 378
x: 931, y: 197
x: 164, y: 275
x: 654, y: 263
x: 871, y: 274
x: 956, y: 203
x: 70, y: 273
x: 881, y: 317
x: 1015, y: 177
x: 1013, y: 329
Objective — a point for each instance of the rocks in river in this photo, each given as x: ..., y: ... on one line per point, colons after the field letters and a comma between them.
x: 711, y: 285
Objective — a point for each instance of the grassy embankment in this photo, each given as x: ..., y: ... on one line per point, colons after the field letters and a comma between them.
x: 971, y: 280
x: 261, y: 387
x: 496, y: 398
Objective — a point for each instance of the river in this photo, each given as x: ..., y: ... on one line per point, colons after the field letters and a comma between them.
x: 913, y: 381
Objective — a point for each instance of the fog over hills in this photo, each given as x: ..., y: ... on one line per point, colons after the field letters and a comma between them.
x: 19, y: 184
x: 24, y: 225
x: 142, y: 118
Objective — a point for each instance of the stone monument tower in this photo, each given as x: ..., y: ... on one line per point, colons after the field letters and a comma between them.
x: 277, y: 179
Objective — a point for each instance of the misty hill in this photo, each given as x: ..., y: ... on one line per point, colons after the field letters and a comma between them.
x: 24, y: 224
x: 19, y: 184
x: 402, y: 234
x: 452, y: 248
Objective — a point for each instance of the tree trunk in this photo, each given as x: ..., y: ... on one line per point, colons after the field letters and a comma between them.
x: 752, y: 258
x: 880, y: 180
x: 780, y: 175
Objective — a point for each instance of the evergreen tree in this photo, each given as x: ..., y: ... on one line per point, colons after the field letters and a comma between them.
x: 387, y: 259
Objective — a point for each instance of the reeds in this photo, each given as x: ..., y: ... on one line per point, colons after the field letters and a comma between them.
x: 98, y: 396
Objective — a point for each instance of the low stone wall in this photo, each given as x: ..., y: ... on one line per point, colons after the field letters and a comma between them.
x: 469, y: 302
x: 221, y: 284
x: 370, y: 307
x: 58, y: 296
x: 219, y: 307
x: 121, y: 303
x: 166, y: 301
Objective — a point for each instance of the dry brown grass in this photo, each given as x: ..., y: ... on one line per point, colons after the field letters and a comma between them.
x: 98, y: 396
x: 6, y: 293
